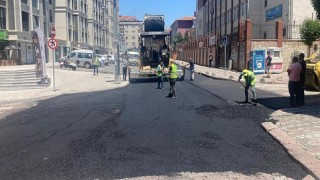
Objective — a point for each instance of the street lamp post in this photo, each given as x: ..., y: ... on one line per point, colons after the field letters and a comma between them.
x: 116, y: 40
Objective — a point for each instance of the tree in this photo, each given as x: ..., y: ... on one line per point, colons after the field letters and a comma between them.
x: 316, y: 6
x: 310, y: 31
x: 186, y: 37
x: 177, y: 39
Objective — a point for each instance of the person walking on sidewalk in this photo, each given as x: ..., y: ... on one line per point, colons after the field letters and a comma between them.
x: 294, y: 81
x: 210, y: 60
x: 172, y: 78
x: 302, y: 78
x: 160, y: 69
x: 125, y: 69
x: 250, y: 81
x: 191, y: 66
x: 95, y: 62
x: 268, y: 64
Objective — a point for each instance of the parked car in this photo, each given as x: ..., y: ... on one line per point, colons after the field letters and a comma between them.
x: 81, y: 58
x: 110, y: 59
x: 102, y: 60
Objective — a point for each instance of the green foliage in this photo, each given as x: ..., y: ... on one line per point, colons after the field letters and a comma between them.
x: 310, y: 31
x: 186, y: 37
x: 316, y: 6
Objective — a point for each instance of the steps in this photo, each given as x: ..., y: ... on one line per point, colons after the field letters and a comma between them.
x: 14, y: 80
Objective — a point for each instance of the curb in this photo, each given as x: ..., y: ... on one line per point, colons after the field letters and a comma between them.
x: 294, y: 149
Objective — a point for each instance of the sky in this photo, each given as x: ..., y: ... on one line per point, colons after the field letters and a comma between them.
x: 171, y: 9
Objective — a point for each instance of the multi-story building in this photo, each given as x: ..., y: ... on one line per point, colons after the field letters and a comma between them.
x: 130, y: 27
x: 84, y: 24
x: 182, y: 25
x: 18, y: 18
x: 224, y: 17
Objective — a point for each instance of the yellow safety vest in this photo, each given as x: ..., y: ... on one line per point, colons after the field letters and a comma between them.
x: 249, y: 77
x: 96, y: 61
x: 173, y: 73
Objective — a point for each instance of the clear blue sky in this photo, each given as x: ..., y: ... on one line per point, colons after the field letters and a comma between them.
x: 171, y: 9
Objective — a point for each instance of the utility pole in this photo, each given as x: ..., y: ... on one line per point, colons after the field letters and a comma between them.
x: 116, y: 39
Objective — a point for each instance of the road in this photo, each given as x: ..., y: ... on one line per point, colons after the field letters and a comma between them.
x: 137, y: 132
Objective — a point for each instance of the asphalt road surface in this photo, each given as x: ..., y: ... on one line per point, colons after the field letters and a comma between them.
x: 138, y: 133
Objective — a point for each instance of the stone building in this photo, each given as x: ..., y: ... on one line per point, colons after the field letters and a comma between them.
x: 19, y: 17
x: 130, y: 28
x: 247, y: 25
x: 182, y: 25
x: 84, y: 24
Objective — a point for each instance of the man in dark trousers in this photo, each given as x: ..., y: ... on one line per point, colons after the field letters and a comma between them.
x: 302, y: 79
x: 210, y: 61
x: 191, y: 66
x: 268, y: 64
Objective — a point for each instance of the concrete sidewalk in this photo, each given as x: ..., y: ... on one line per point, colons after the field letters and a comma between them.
x: 66, y: 82
x: 234, y: 75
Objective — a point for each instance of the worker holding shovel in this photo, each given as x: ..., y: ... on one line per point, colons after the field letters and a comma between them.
x: 250, y: 81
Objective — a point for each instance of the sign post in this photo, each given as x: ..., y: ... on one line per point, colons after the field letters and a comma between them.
x: 225, y: 43
x: 53, y: 44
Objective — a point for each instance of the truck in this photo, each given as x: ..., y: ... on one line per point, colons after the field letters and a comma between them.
x: 154, y: 48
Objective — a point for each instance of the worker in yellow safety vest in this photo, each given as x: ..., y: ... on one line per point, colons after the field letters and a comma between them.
x: 172, y: 78
x: 95, y: 62
x: 160, y: 75
x: 250, y: 82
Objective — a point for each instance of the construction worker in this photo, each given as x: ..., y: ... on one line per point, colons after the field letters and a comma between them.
x: 250, y: 82
x: 160, y: 75
x: 173, y: 77
x: 95, y: 62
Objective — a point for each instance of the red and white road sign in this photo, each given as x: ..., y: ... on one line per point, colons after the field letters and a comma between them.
x: 53, y: 32
x: 52, y: 43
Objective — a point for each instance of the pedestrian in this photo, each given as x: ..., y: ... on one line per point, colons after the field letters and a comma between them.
x: 294, y: 81
x: 95, y: 62
x: 302, y: 78
x: 191, y: 67
x: 160, y: 69
x: 268, y: 64
x: 210, y: 60
x: 124, y: 69
x: 250, y: 81
x: 172, y: 78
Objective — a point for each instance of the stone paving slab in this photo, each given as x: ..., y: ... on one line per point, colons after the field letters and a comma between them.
x: 297, y: 151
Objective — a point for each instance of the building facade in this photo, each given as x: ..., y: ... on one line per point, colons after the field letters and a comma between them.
x: 224, y: 17
x: 18, y: 18
x: 85, y: 24
x: 130, y: 28
x: 182, y: 25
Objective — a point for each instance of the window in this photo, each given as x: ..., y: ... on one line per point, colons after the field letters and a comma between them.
x: 265, y: 3
x: 44, y: 7
x: 50, y: 1
x: 265, y: 35
x: 133, y: 37
x: 25, y: 21
x: 242, y: 9
x: 2, y: 18
x: 45, y: 28
x: 73, y: 54
x: 284, y: 32
x: 50, y: 14
x: 35, y: 4
x: 81, y: 55
x: 133, y: 31
x: 24, y: 1
x: 35, y: 22
x: 88, y: 55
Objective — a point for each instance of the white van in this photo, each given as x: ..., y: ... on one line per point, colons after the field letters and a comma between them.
x: 81, y: 58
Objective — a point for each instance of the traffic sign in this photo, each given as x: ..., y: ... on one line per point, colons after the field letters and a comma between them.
x: 52, y: 43
x: 53, y: 32
x: 224, y: 41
